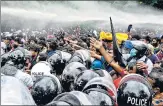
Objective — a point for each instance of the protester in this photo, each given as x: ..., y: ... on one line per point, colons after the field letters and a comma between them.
x: 34, y: 53
x: 7, y: 41
x: 52, y: 46
x: 151, y: 54
x: 42, y: 45
x: 155, y: 42
x: 160, y: 53
x: 146, y: 39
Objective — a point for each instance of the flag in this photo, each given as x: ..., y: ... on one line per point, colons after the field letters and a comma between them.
x: 116, y: 50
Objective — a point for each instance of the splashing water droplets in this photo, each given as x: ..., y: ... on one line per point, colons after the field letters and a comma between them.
x: 122, y: 12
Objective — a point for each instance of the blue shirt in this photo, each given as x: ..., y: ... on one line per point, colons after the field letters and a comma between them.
x: 153, y: 58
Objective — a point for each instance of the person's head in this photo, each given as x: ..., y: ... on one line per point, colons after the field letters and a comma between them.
x: 132, y: 68
x: 18, y: 58
x: 156, y: 77
x: 108, y: 43
x: 139, y: 49
x: 42, y: 38
x: 129, y: 28
x: 161, y: 47
x: 73, y: 98
x: 102, y: 90
x: 12, y: 37
x: 83, y: 44
x: 20, y: 35
x: 9, y: 70
x: 42, y: 44
x: 114, y: 74
x: 136, y: 37
x: 155, y: 42
x: 82, y: 79
x: 7, y: 40
x: 146, y: 39
x: 42, y: 57
x: 100, y: 98
x: 126, y: 47
x: 70, y: 72
x: 83, y: 38
x: 34, y: 50
x: 57, y: 62
x: 150, y: 49
x: 161, y: 43
x: 17, y: 42
x: 82, y: 56
x: 41, y: 68
x: 134, y: 90
x: 32, y: 40
x: 161, y: 39
x: 45, y: 89
x: 52, y: 45
x: 68, y: 49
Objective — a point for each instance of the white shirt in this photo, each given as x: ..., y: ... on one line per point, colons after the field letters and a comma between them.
x: 3, y: 47
x: 2, y: 51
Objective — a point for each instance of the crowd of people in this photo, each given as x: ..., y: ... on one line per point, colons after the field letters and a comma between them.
x: 81, y: 67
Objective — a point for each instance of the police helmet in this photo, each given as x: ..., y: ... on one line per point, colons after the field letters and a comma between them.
x: 9, y: 69
x: 134, y: 90
x: 140, y: 47
x: 45, y: 89
x: 57, y: 63
x: 82, y: 79
x: 101, y: 98
x: 82, y: 56
x: 74, y: 98
x: 40, y: 69
x: 18, y: 58
x: 66, y: 56
x: 58, y: 103
x: 104, y: 73
x: 69, y: 74
x: 103, y: 85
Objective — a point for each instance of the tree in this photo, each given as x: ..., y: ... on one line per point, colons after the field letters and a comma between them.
x: 155, y: 3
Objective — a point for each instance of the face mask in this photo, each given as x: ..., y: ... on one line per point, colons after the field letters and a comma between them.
x: 133, y: 52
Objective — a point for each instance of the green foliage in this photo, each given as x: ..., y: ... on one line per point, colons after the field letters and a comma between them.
x: 155, y: 3
x: 149, y: 2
